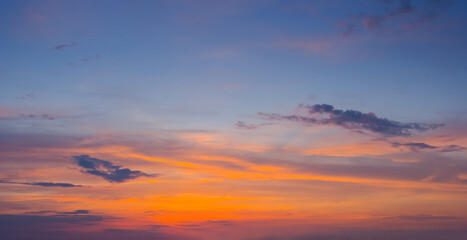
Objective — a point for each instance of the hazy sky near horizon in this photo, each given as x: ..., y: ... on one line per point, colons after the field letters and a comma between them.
x: 233, y: 119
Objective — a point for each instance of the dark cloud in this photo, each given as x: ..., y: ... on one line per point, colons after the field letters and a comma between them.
x: 422, y: 217
x: 416, y: 146
x: 80, y: 211
x: 63, y: 46
x: 43, y: 184
x: 245, y: 126
x: 21, y: 221
x: 107, y: 170
x: 366, y: 234
x: 350, y: 119
x: 51, y: 184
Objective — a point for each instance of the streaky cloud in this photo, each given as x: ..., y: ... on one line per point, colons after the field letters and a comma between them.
x: 43, y: 184
x: 63, y: 46
x: 244, y: 126
x: 416, y: 146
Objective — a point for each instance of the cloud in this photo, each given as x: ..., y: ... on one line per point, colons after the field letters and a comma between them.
x: 14, y: 221
x: 84, y: 60
x: 422, y: 217
x: 245, y: 126
x: 43, y: 116
x: 369, y: 234
x: 80, y: 211
x: 27, y: 96
x: 416, y: 146
x: 63, y: 46
x: 413, y: 146
x: 452, y: 148
x: 351, y: 119
x: 404, y: 11
x: 43, y: 184
x: 50, y: 184
x: 107, y: 170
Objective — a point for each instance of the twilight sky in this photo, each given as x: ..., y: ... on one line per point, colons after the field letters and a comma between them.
x: 234, y: 119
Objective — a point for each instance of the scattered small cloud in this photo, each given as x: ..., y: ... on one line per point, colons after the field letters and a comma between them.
x: 403, y: 12
x: 63, y: 46
x: 350, y: 119
x: 107, y: 170
x: 27, y: 96
x: 84, y: 60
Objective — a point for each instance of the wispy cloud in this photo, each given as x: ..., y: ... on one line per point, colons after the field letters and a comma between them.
x: 84, y: 60
x: 63, y: 46
x: 27, y: 96
x: 421, y: 217
x: 416, y: 146
x: 43, y: 116
x: 244, y: 126
x: 80, y: 211
x: 404, y: 11
x: 350, y: 119
x: 107, y: 170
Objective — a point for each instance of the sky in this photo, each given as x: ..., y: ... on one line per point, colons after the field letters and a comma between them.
x: 233, y: 119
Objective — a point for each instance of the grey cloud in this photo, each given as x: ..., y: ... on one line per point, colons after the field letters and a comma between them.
x: 452, y: 148
x: 107, y: 170
x: 63, y: 46
x: 80, y: 211
x: 43, y: 116
x: 12, y: 221
x: 351, y: 119
x: 416, y: 146
x: 422, y: 217
x: 43, y: 184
